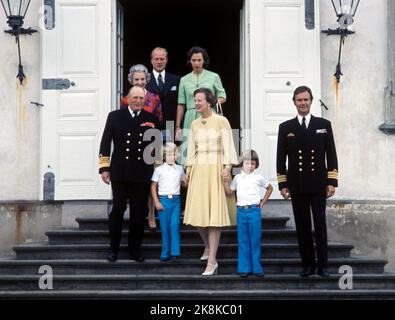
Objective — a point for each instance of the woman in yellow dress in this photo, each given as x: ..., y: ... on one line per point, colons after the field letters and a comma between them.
x: 211, y: 154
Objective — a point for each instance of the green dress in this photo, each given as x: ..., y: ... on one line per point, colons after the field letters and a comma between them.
x: 188, y: 84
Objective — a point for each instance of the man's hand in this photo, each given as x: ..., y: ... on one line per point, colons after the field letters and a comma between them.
x: 105, y: 176
x: 285, y: 193
x: 330, y: 191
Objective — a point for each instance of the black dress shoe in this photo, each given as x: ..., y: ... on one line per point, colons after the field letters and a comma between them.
x: 307, y: 271
x: 137, y: 258
x: 244, y: 274
x: 323, y: 272
x: 112, y: 256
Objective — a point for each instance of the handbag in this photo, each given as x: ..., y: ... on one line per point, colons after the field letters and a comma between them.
x: 218, y: 108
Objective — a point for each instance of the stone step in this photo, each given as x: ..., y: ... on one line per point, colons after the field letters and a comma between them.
x: 359, y: 265
x: 70, y: 236
x: 42, y: 250
x: 102, y: 223
x: 196, y: 282
x: 215, y: 295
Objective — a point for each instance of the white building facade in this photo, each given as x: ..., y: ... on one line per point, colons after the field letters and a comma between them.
x: 76, y: 64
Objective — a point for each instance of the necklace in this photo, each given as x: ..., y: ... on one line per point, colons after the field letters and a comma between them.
x: 197, y: 79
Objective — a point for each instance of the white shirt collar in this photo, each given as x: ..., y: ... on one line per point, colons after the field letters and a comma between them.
x: 243, y: 173
x: 168, y: 165
x: 156, y: 74
x: 308, y: 118
x: 131, y: 112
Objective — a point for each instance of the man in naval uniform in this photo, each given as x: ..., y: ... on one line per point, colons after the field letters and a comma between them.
x: 128, y: 171
x: 311, y: 177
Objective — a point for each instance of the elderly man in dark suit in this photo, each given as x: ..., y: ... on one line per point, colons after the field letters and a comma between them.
x: 164, y: 84
x: 310, y: 178
x: 129, y: 171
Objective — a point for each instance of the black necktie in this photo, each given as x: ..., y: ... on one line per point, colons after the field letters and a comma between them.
x: 304, y: 124
x: 160, y: 82
x: 135, y: 114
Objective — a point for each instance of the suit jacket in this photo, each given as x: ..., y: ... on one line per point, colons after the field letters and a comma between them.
x: 169, y: 95
x: 312, y: 160
x: 127, y: 161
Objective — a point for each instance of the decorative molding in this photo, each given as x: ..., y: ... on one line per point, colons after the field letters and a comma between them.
x: 49, y: 186
x: 309, y: 14
x: 388, y: 126
x: 49, y: 13
x: 55, y: 84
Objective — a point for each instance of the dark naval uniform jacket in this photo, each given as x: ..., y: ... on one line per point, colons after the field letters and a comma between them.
x: 127, y: 162
x: 312, y: 160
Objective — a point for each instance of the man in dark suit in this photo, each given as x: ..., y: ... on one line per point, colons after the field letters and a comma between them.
x: 129, y: 171
x: 311, y: 177
x: 165, y: 85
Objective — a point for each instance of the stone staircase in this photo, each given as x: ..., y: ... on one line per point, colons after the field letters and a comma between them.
x: 80, y: 270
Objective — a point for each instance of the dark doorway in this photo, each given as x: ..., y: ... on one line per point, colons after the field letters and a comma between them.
x: 178, y: 25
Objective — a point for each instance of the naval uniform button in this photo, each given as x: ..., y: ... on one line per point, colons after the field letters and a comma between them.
x: 129, y: 134
x: 300, y: 169
x: 312, y: 163
x: 312, y: 157
x: 300, y: 151
x: 127, y: 150
x: 138, y: 158
x: 300, y: 157
x: 139, y: 150
x: 127, y: 158
x: 128, y: 141
x: 312, y: 151
x: 139, y: 142
x: 300, y: 163
x: 141, y: 134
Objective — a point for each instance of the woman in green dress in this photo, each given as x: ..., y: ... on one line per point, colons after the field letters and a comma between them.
x: 200, y: 77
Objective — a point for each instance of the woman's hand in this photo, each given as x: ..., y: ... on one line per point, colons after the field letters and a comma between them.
x: 185, y: 180
x: 178, y: 134
x: 226, y: 174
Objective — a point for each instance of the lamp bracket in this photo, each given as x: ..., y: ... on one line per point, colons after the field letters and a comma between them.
x: 338, y: 31
x: 28, y: 31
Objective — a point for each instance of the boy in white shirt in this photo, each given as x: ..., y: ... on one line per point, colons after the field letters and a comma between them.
x: 166, y: 182
x: 249, y: 187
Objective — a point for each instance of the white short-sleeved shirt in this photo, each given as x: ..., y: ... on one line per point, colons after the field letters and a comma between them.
x: 249, y: 187
x: 168, y: 178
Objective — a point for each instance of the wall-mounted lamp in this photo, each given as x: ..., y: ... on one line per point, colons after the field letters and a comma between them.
x: 15, y: 11
x: 345, y: 11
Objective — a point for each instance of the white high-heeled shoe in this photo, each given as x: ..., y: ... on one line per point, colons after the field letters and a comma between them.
x: 212, y: 272
x: 204, y: 257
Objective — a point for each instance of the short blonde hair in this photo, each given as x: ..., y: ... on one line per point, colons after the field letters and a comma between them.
x: 169, y: 147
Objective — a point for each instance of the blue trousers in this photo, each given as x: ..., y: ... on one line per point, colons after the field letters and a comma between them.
x: 169, y: 219
x: 249, y: 231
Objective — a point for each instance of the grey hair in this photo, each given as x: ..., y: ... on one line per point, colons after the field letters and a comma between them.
x: 138, y: 68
